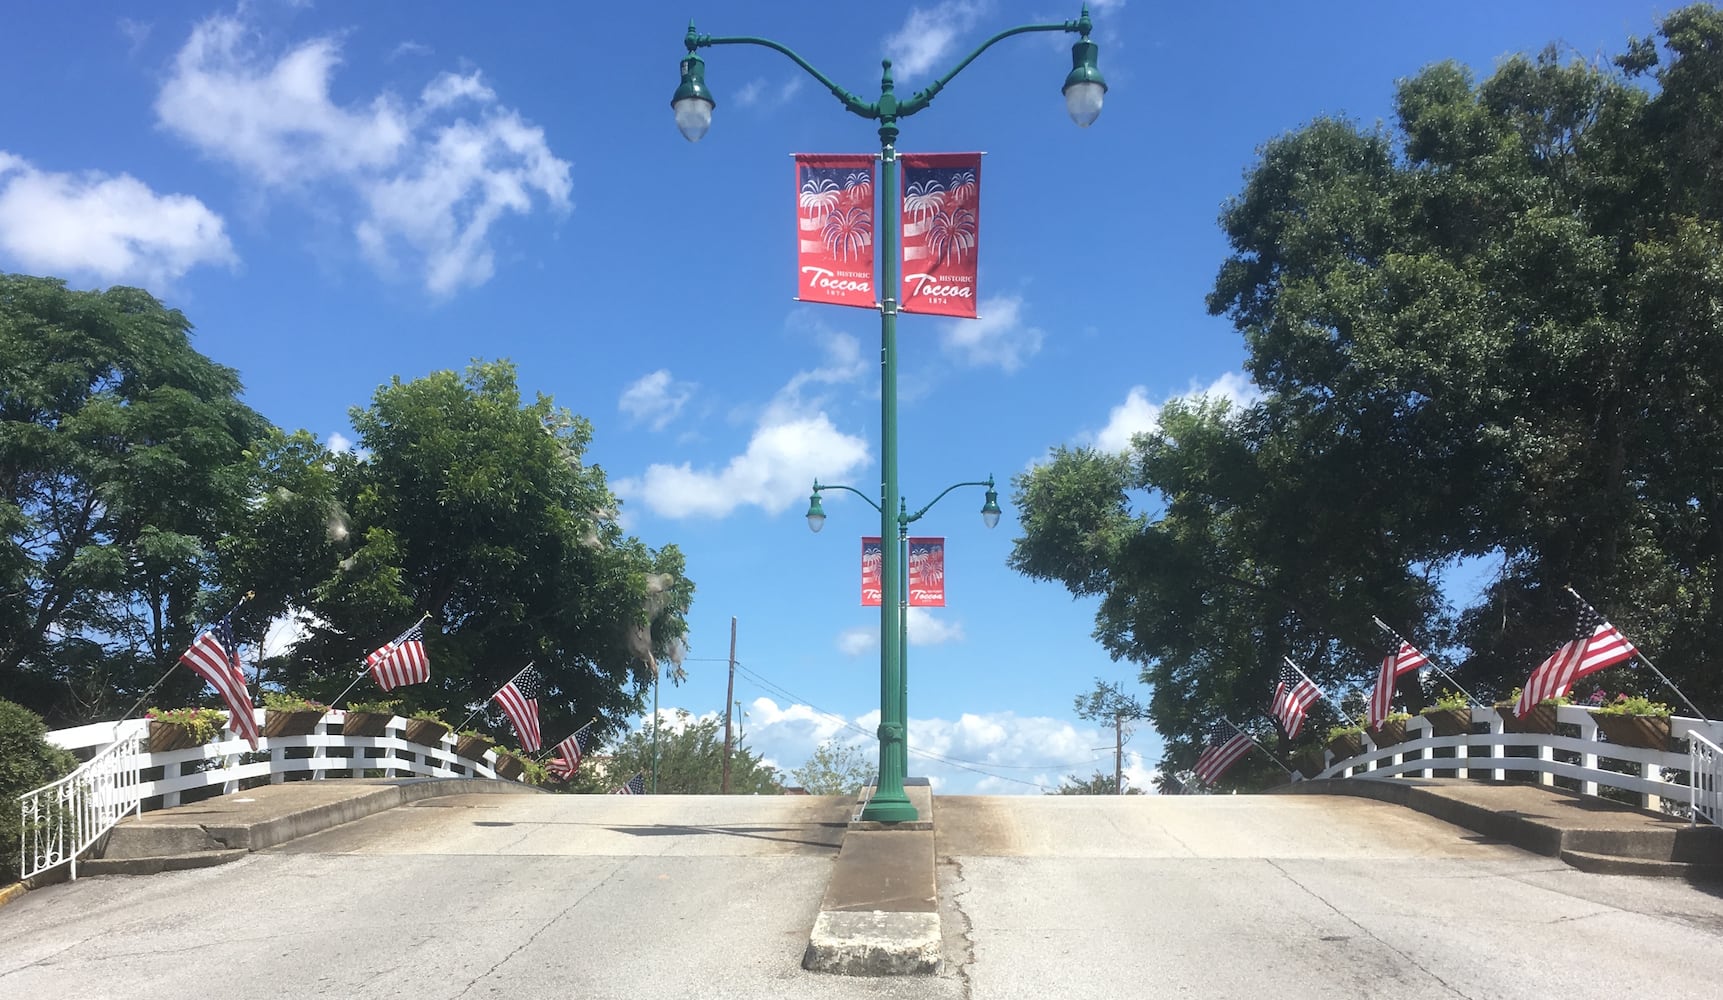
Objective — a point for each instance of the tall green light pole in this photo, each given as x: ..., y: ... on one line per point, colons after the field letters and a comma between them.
x: 1084, y: 89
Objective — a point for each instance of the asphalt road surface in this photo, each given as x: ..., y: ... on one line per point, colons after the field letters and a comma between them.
x: 666, y: 896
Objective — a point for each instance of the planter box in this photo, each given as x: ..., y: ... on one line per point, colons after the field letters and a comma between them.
x: 1449, y: 721
x: 426, y: 732
x: 298, y: 723
x: 508, y: 767
x: 165, y: 736
x: 366, y: 723
x: 1308, y: 763
x: 1350, y: 745
x: 1648, y: 731
x: 1541, y: 719
x: 1393, y: 731
x: 473, y: 747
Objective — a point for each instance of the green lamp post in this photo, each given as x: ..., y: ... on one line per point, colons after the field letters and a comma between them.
x: 1084, y: 90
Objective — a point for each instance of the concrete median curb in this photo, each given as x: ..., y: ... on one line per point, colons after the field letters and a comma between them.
x: 880, y: 914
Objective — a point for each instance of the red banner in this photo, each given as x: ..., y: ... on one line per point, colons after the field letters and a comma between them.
x: 927, y: 572
x: 873, y: 562
x: 834, y: 230
x: 941, y: 230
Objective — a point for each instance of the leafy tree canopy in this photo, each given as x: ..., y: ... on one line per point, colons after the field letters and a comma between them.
x: 1486, y: 331
x: 122, y: 465
x: 690, y: 761
x: 836, y: 769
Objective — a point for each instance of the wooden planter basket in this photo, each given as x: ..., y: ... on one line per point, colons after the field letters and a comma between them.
x: 1648, y: 731
x: 1541, y: 719
x: 473, y: 747
x: 509, y: 767
x: 293, y: 723
x: 1450, y: 721
x: 165, y: 736
x: 366, y: 723
x: 1393, y: 731
x: 426, y: 732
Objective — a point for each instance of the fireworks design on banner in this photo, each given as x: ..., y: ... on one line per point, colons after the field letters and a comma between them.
x: 835, y: 229
x: 941, y: 232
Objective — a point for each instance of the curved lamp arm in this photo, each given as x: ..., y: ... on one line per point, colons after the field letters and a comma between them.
x: 904, y: 520
x: 818, y: 486
x: 851, y: 102
x: 1082, y: 25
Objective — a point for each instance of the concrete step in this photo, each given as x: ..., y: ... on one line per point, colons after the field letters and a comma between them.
x: 161, y: 863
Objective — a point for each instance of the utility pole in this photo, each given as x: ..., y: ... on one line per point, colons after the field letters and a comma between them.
x: 729, y: 700
x: 1119, y: 754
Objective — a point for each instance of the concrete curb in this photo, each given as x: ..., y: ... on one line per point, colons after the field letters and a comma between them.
x: 1658, y: 853
x: 10, y: 892
x: 876, y: 943
x: 159, y: 845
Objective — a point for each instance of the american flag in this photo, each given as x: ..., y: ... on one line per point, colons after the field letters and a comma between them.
x: 519, y: 701
x: 402, y: 661
x: 636, y: 786
x: 570, y: 752
x: 1221, y: 752
x: 1595, y: 644
x: 1401, y: 657
x: 1292, y: 699
x: 215, y: 658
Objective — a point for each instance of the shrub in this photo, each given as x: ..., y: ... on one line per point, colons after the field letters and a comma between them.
x: 287, y: 701
x: 27, y: 762
x: 203, y: 724
x: 390, y: 707
x: 1449, y: 700
x: 1634, y: 705
x: 1513, y: 698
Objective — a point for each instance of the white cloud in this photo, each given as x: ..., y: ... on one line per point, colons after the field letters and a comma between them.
x: 655, y: 399
x: 430, y: 178
x: 997, y: 337
x: 996, y: 753
x: 339, y: 443
x: 793, y: 443
x: 758, y: 93
x: 1137, y: 415
x: 925, y: 629
x: 929, y: 33
x: 113, y: 228
x: 410, y: 48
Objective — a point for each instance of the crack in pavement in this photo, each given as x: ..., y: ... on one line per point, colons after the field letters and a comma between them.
x: 1367, y: 932
x: 966, y: 927
x: 546, y: 926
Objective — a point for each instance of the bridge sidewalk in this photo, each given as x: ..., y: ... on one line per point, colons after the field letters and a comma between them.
x: 1589, y: 833
x: 227, y: 827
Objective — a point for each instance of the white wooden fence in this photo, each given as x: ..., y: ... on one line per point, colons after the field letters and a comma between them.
x: 1586, y: 761
x: 122, y: 776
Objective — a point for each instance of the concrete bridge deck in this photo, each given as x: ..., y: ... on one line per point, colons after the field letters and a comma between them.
x: 476, y: 895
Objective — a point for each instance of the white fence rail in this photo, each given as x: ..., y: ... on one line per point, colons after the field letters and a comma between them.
x: 1578, y: 753
x: 126, y: 775
x: 1705, y: 764
x: 64, y: 818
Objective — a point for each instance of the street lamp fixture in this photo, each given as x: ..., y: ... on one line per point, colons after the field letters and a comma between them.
x: 693, y: 103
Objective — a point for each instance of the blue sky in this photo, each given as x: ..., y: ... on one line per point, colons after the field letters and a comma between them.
x: 336, y: 194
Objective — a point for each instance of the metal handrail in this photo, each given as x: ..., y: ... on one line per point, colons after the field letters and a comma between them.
x: 1704, y: 780
x: 64, y: 818
x: 866, y: 795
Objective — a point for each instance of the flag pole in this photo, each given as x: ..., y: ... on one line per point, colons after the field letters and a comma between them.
x: 366, y: 669
x: 1644, y: 659
x: 546, y: 752
x: 248, y: 595
x: 1470, y: 699
x: 498, y: 691
x: 1337, y: 709
x: 1259, y: 746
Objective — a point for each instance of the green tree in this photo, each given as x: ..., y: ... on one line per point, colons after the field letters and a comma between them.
x: 1486, y: 331
x: 1100, y: 783
x: 690, y: 761
x: 122, y: 465
x: 835, y: 769
x: 471, y: 505
x: 1110, y: 703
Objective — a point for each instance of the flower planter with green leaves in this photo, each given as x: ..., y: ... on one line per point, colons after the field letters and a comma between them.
x: 1634, y: 722
x: 183, y: 728
x: 427, y: 728
x: 287, y: 714
x: 1451, y: 715
x: 1541, y: 719
x: 1346, y: 741
x: 368, y: 718
x: 1309, y: 762
x: 1391, y: 731
x: 472, y: 745
x: 508, y: 766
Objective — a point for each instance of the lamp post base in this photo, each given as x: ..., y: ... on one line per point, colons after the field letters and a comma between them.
x: 887, y: 808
